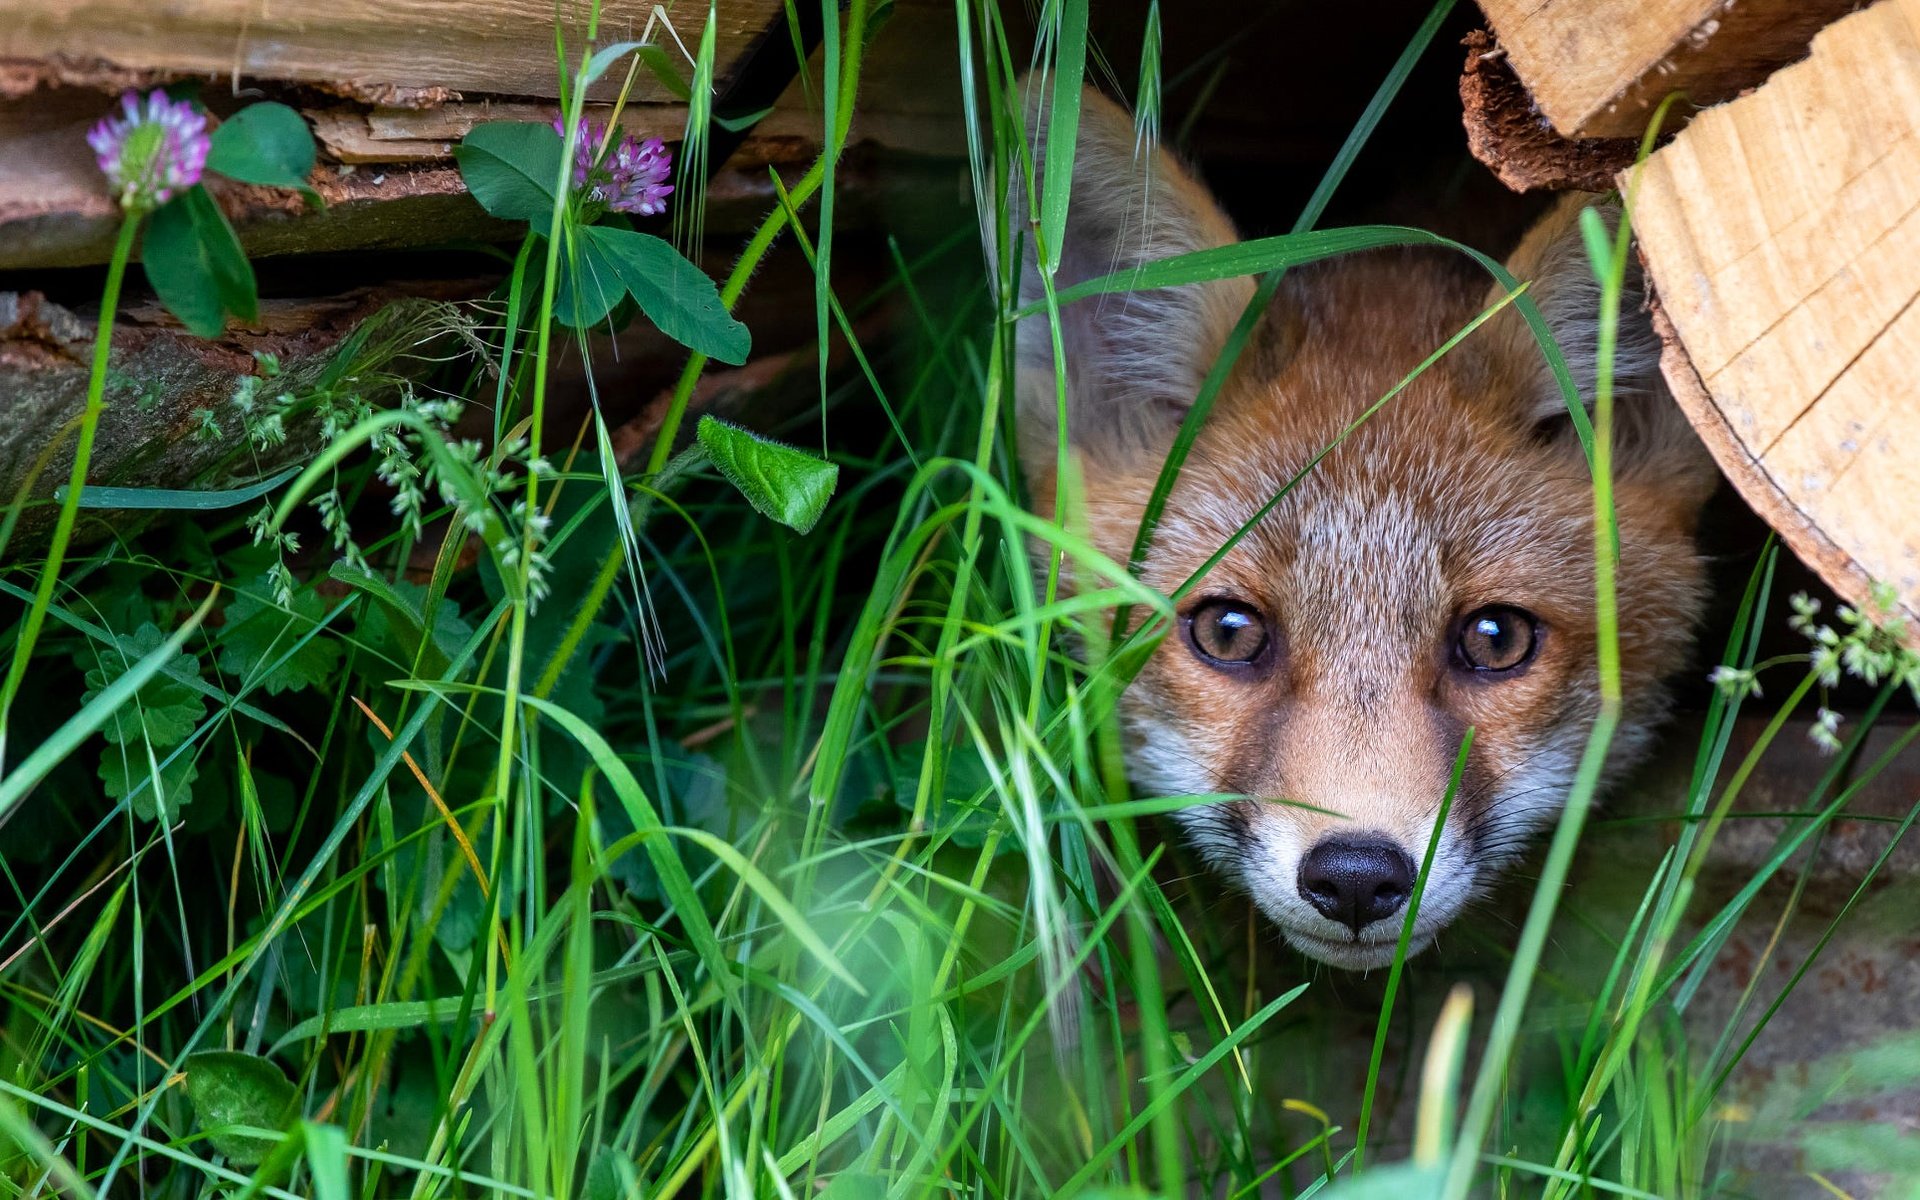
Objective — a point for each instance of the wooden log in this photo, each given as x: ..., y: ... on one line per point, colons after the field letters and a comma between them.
x: 1598, y: 68
x: 1782, y: 232
x: 1506, y: 132
x: 404, y: 135
x: 160, y: 380
x: 55, y: 210
x: 388, y: 178
x: 394, y: 189
x: 378, y: 51
x: 360, y: 135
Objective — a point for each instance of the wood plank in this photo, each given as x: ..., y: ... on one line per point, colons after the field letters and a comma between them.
x: 1598, y: 68
x: 378, y: 51
x: 1782, y: 232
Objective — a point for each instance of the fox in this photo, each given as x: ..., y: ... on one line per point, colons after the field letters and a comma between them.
x: 1434, y: 572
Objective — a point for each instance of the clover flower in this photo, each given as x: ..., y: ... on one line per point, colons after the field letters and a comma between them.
x: 631, y: 179
x: 640, y: 171
x: 585, y: 148
x: 153, y: 151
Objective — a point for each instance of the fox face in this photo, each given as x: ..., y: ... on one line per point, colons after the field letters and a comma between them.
x: 1432, y: 573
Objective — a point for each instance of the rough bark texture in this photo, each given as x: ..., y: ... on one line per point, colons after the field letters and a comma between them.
x: 402, y: 191
x: 376, y: 51
x: 159, y: 380
x: 1507, y: 132
x: 55, y: 210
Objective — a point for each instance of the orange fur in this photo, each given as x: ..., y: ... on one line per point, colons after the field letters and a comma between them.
x: 1466, y: 490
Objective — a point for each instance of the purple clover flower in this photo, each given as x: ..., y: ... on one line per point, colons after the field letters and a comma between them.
x: 153, y: 152
x: 631, y: 179
x: 640, y: 172
x: 585, y: 147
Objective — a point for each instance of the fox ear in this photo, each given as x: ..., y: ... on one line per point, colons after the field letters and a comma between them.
x: 1652, y: 439
x: 1133, y: 359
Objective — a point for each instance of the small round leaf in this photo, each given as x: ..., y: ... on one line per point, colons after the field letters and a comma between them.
x: 227, y: 1088
x: 267, y: 144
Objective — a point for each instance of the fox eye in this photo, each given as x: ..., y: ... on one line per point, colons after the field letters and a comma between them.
x: 1227, y: 632
x: 1497, y: 638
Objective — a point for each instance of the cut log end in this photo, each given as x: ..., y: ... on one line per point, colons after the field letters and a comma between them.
x: 1601, y: 70
x: 1782, y: 232
x: 1507, y: 132
x: 1801, y: 532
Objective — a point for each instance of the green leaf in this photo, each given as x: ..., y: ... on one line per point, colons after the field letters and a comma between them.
x: 421, y: 868
x: 510, y: 167
x: 610, y: 1176
x: 164, y: 711
x: 195, y: 264
x: 125, y: 771
x: 394, y: 621
x: 605, y: 57
x: 276, y: 1166
x: 660, y: 65
x: 589, y: 284
x: 362, y: 1018
x: 178, y: 271
x: 1063, y: 126
x: 232, y: 273
x: 267, y: 144
x: 175, y: 499
x: 397, y: 643
x: 1599, y: 243
x: 745, y: 120
x: 1401, y: 1181
x: 21, y: 779
x: 854, y: 1185
x: 788, y: 485
x: 228, y: 1088
x: 966, y: 809
x: 258, y: 634
x: 694, y: 794
x: 676, y: 295
x: 266, y: 798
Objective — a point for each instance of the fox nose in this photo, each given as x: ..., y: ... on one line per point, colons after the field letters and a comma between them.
x: 1356, y: 881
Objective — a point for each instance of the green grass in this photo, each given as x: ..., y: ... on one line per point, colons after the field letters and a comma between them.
x: 753, y: 863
